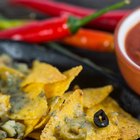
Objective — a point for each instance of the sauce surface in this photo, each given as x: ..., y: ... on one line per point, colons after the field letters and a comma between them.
x: 132, y: 44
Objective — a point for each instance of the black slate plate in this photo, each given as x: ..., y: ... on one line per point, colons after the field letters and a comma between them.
x: 90, y: 77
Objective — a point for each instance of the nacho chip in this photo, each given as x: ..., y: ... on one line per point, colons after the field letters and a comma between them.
x: 128, y: 127
x: 33, y: 89
x: 43, y: 73
x: 54, y: 105
x: 68, y: 109
x: 30, y: 125
x: 58, y: 88
x: 4, y: 104
x: 5, y: 71
x: 5, y: 60
x: 42, y: 122
x: 36, y: 107
x: 93, y: 96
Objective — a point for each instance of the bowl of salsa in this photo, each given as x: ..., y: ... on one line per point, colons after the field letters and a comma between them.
x: 127, y: 48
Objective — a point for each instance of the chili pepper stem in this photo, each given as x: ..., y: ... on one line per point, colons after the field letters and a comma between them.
x: 75, y: 24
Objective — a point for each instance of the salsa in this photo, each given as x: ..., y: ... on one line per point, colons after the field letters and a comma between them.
x: 132, y: 44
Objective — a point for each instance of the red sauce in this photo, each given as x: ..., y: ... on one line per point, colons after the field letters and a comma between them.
x: 132, y: 44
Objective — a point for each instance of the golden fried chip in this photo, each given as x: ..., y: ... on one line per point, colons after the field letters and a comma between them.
x: 43, y: 73
x: 36, y: 107
x: 5, y: 71
x: 42, y: 122
x: 128, y: 127
x: 33, y: 89
x: 30, y: 125
x: 58, y: 88
x: 5, y: 60
x: 4, y: 104
x: 93, y: 96
x: 54, y: 105
x: 70, y: 108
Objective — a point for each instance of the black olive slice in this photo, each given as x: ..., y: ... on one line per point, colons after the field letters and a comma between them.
x: 101, y: 119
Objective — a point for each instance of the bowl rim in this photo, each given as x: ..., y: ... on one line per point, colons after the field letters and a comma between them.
x: 116, y: 41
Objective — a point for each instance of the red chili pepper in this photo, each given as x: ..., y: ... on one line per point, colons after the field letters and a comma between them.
x: 84, y: 38
x: 38, y: 31
x: 91, y: 40
x: 54, y: 29
x: 106, y: 22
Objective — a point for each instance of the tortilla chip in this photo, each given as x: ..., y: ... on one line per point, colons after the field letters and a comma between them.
x: 5, y: 60
x: 42, y: 122
x: 36, y: 107
x: 33, y: 89
x: 4, y: 104
x: 43, y: 73
x: 58, y: 88
x: 54, y: 105
x: 93, y: 96
x: 30, y: 125
x: 128, y: 127
x: 68, y: 109
x: 5, y: 71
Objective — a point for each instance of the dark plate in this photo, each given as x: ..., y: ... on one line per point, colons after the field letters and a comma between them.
x: 89, y: 77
